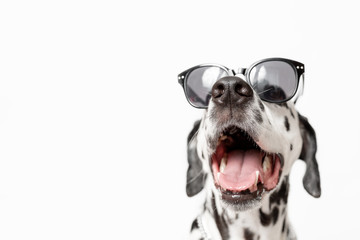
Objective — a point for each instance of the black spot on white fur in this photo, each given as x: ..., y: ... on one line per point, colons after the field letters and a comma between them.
x: 261, y: 105
x: 283, y: 225
x: 292, y: 114
x: 287, y: 124
x: 258, y: 116
x: 282, y: 194
x: 248, y: 234
x: 267, y: 218
x: 194, y: 225
x: 220, y: 220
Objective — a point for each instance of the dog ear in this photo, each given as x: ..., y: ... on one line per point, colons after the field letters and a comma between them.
x: 311, y: 180
x: 195, y: 179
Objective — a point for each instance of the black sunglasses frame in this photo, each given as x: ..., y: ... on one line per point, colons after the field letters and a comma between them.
x: 299, y: 70
x: 182, y: 78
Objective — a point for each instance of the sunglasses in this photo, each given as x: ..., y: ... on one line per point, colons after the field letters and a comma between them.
x: 275, y: 80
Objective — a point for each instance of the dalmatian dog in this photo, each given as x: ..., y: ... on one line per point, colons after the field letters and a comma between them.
x: 242, y: 150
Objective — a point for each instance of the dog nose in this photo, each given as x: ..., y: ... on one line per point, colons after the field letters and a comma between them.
x: 231, y: 90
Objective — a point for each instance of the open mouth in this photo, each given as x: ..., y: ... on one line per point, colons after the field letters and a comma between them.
x: 242, y: 170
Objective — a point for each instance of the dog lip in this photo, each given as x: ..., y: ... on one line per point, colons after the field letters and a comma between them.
x: 241, y: 197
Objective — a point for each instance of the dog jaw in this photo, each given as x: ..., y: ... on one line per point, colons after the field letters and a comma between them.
x: 268, y: 127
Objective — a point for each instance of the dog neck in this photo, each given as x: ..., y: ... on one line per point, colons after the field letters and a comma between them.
x: 269, y: 221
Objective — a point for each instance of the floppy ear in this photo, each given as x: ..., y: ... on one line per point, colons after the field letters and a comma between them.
x: 311, y: 180
x: 196, y: 177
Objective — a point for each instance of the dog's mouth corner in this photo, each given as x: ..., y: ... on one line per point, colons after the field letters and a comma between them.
x: 242, y: 170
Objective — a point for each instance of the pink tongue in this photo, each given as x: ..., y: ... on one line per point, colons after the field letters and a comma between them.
x: 240, y: 171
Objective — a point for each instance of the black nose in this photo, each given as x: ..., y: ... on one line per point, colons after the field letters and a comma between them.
x: 231, y: 90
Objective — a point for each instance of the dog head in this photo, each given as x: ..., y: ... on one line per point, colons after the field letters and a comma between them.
x: 244, y: 147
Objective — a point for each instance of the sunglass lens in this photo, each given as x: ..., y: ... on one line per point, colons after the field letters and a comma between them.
x: 199, y: 83
x: 274, y: 81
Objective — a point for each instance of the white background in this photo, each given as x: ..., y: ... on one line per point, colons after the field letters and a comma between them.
x: 93, y: 123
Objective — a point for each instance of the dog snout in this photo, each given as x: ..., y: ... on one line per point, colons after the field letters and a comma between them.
x: 231, y: 90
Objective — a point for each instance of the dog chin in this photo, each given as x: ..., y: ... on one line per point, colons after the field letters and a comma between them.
x: 241, y: 201
x: 242, y: 206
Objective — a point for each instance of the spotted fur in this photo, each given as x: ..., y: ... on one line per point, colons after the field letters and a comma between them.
x: 275, y: 128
